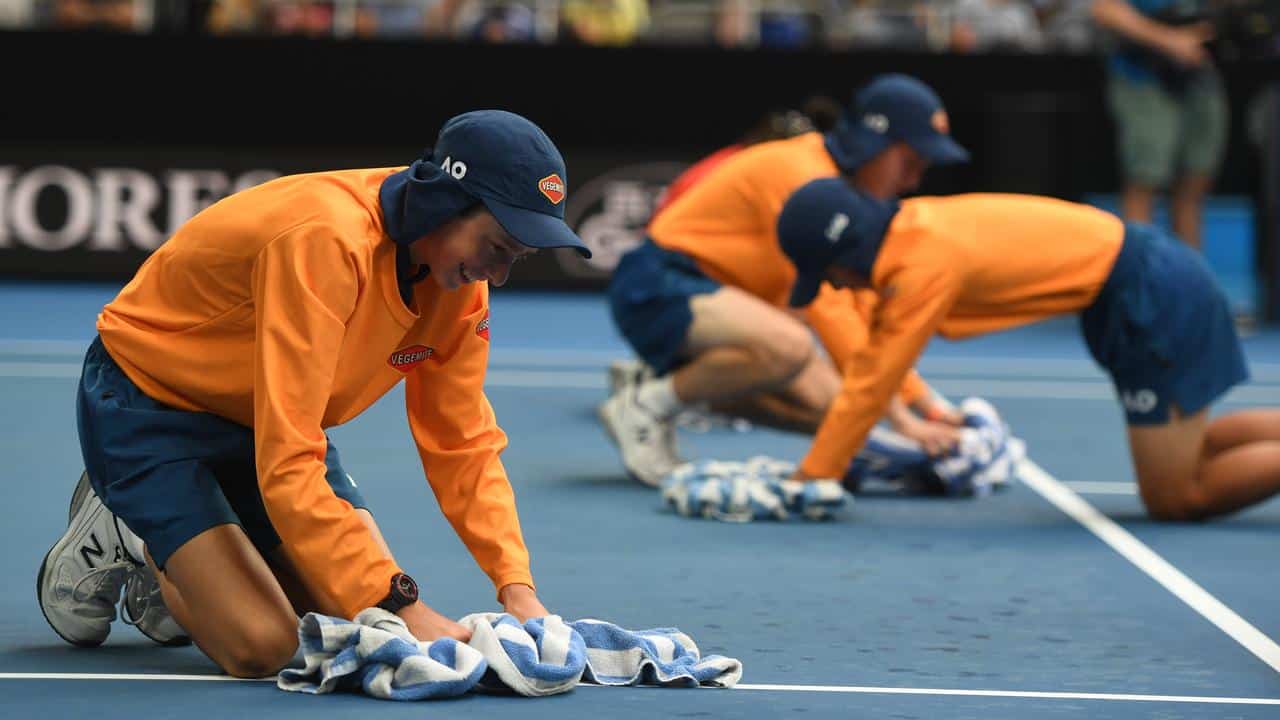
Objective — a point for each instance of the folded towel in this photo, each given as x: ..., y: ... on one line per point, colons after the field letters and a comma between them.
x: 758, y: 489
x: 376, y: 654
x: 986, y: 458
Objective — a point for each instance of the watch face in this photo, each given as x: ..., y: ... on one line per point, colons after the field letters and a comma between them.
x: 406, y: 588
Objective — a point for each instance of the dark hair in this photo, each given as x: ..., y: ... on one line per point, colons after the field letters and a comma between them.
x: 817, y: 112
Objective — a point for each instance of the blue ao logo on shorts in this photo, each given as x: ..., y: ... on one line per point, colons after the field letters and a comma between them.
x: 1139, y: 401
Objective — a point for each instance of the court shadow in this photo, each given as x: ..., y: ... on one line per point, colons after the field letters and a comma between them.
x: 126, y: 658
x: 613, y: 480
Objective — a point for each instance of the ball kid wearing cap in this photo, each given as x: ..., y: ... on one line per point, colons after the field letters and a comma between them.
x: 1150, y: 311
x: 703, y: 301
x: 285, y: 309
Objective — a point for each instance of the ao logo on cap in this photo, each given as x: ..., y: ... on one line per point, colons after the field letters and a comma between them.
x: 553, y: 187
x: 456, y: 168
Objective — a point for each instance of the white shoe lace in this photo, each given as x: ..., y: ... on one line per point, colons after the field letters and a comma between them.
x: 98, y: 575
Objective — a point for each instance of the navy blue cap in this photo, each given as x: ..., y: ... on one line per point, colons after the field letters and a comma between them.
x: 509, y: 164
x: 894, y: 108
x: 827, y: 222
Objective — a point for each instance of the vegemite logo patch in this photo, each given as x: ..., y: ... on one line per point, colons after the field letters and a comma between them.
x: 482, y: 327
x: 409, y: 358
x: 553, y: 187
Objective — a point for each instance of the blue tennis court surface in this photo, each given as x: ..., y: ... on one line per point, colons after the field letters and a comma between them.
x: 1013, y: 606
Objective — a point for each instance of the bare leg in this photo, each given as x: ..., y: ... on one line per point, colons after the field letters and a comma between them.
x: 221, y: 591
x: 1137, y: 202
x: 1238, y: 428
x: 1187, y: 202
x: 1184, y: 475
x: 739, y: 345
x: 799, y: 407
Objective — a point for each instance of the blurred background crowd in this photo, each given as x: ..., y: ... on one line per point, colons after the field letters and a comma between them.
x: 956, y: 26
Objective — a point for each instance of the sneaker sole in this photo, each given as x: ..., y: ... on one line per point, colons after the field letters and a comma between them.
x: 77, y: 497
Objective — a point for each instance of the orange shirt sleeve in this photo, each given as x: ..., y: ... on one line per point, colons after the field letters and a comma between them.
x: 841, y: 318
x: 459, y: 440
x: 304, y: 288
x: 917, y: 302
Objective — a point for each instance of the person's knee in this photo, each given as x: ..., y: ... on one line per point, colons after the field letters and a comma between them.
x: 785, y: 354
x: 260, y: 649
x: 1181, y: 502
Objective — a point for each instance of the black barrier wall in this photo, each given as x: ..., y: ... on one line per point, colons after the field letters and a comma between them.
x: 110, y: 141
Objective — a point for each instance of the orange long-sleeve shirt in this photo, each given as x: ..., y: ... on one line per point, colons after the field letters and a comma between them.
x: 962, y: 266
x: 278, y: 308
x: 727, y: 222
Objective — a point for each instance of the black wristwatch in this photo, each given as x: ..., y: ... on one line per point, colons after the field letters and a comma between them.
x: 404, y: 591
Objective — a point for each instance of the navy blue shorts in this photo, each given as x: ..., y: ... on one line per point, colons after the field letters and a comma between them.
x: 1162, y: 328
x: 171, y: 474
x: 649, y: 297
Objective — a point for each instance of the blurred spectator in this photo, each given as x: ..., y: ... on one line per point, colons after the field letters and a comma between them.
x: 230, y: 17
x: 775, y: 24
x: 1168, y: 105
x: 300, y: 17
x: 603, y: 22
x: 182, y: 17
x: 17, y: 14
x: 986, y: 25
x: 95, y: 15
x: 505, y: 23
x: 1066, y: 24
x: 391, y: 19
x: 882, y: 25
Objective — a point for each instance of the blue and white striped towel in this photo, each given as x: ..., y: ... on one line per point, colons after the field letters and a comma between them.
x: 378, y: 655
x: 543, y: 656
x: 758, y: 489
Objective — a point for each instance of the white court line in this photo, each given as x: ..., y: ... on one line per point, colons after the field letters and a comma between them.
x: 742, y: 686
x: 1013, y: 693
x: 1136, y: 552
x: 1103, y: 488
x: 128, y: 676
x: 1001, y: 367
x: 991, y: 388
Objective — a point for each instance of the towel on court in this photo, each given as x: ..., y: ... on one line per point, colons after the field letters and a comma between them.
x: 376, y: 654
x: 986, y: 458
x: 546, y: 656
x: 758, y: 489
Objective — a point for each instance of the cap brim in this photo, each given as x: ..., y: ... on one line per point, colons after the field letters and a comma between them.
x: 535, y: 229
x: 805, y: 289
x: 940, y: 150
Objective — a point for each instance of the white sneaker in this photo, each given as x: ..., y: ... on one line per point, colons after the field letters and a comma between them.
x: 647, y: 443
x: 143, y: 607
x: 622, y: 372
x: 79, y: 582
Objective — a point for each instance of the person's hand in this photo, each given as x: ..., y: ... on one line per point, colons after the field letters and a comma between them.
x: 937, y: 438
x: 427, y: 624
x: 521, y: 602
x: 1185, y: 44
